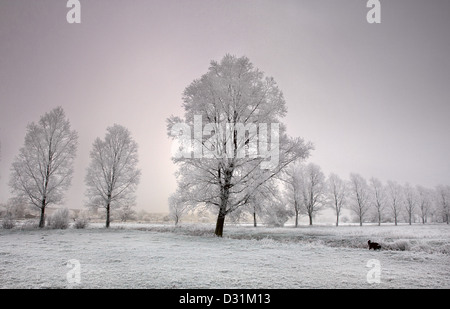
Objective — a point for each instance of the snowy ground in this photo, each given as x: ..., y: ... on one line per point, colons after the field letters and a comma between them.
x: 159, y: 256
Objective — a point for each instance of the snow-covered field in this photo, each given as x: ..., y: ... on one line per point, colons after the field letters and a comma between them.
x: 162, y: 256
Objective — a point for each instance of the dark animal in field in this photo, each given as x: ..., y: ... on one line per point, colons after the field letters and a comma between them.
x: 374, y: 245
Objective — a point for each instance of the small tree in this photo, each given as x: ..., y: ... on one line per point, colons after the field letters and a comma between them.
x: 293, y: 180
x: 112, y: 176
x: 127, y: 213
x: 394, y: 192
x: 360, y: 195
x: 443, y: 201
x: 17, y: 206
x: 81, y: 220
x: 277, y: 214
x: 264, y: 198
x: 337, y: 194
x: 378, y: 197
x: 177, y: 207
x: 313, y: 190
x: 8, y: 221
x: 42, y: 172
x: 59, y: 219
x: 424, y: 202
x: 410, y: 201
x: 305, y: 189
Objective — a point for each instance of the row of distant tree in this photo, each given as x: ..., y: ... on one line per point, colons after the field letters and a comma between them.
x: 304, y: 190
x: 309, y: 191
x: 42, y: 172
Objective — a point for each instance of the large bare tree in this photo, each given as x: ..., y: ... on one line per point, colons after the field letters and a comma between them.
x: 42, y: 172
x: 112, y: 176
x: 238, y: 141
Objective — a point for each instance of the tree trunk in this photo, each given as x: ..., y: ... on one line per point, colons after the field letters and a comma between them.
x: 224, y: 194
x: 108, y: 209
x: 42, y: 219
x: 310, y: 220
x: 337, y: 220
x: 254, y: 219
x: 220, y: 222
x: 296, y: 218
x: 108, y: 215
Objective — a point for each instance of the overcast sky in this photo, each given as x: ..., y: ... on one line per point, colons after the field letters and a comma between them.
x: 373, y: 98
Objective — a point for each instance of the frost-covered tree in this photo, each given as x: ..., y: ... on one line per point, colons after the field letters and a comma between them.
x: 305, y: 189
x: 17, y: 206
x: 178, y: 207
x: 424, y: 201
x: 42, y: 172
x: 395, y: 197
x: 127, y: 212
x: 378, y: 197
x: 233, y: 140
x: 410, y: 201
x: 293, y: 183
x: 443, y: 201
x: 337, y: 194
x: 313, y: 189
x: 277, y: 214
x: 59, y: 219
x: 263, y: 200
x: 112, y: 176
x: 360, y: 193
